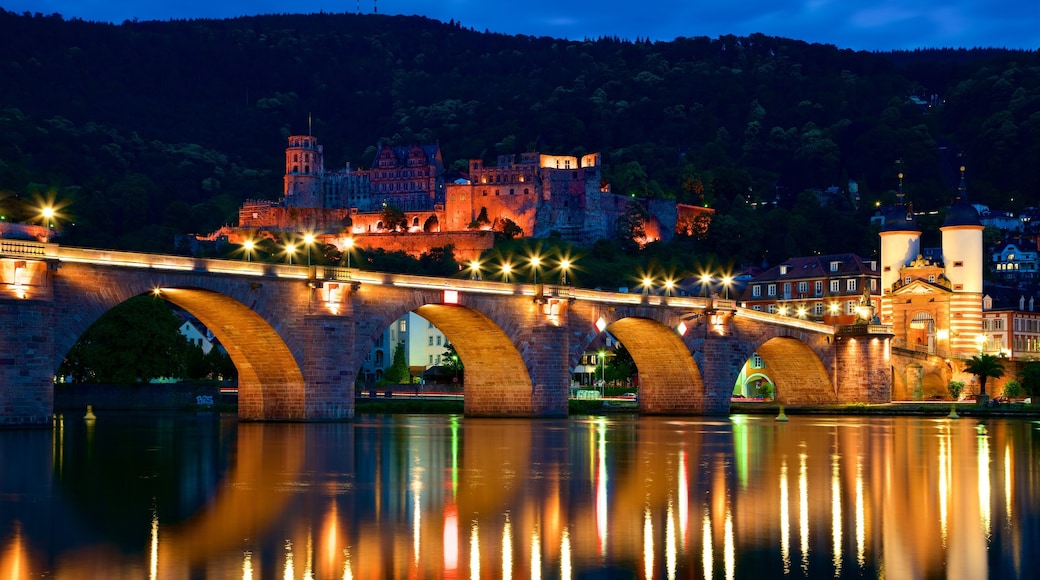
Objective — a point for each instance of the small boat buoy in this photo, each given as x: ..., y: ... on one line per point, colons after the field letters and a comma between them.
x: 90, y: 414
x: 781, y: 417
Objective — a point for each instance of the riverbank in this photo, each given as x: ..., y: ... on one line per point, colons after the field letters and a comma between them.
x: 896, y: 408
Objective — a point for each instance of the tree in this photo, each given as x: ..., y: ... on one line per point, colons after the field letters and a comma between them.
x: 508, y: 229
x: 398, y: 371
x: 452, y: 361
x: 135, y: 342
x: 394, y: 219
x: 1029, y: 377
x: 985, y: 366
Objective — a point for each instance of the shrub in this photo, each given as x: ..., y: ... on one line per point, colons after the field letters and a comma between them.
x: 955, y: 388
x: 1012, y: 389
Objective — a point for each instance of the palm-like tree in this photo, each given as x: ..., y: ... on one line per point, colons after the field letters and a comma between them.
x: 985, y: 366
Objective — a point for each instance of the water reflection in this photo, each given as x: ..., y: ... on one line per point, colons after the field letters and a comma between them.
x: 445, y: 497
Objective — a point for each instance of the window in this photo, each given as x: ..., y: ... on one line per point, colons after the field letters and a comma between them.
x: 438, y: 341
x: 772, y: 308
x: 404, y: 325
x: 817, y: 309
x: 431, y: 359
x: 783, y: 270
x: 771, y: 290
x: 430, y: 343
x: 906, y: 280
x: 850, y: 307
x: 757, y: 362
x: 756, y: 290
x: 835, y: 286
x: 850, y: 284
x: 803, y: 287
x: 757, y: 307
x: 787, y: 289
x: 873, y: 284
x: 931, y: 278
x: 958, y: 264
x: 818, y: 287
x: 834, y: 266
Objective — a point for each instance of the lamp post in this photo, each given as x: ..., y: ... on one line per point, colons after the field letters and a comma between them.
x: 726, y: 281
x: 535, y: 261
x: 565, y: 265
x: 247, y: 247
x: 603, y: 373
x: 647, y: 283
x: 48, y: 214
x: 474, y: 270
x: 290, y: 249
x: 350, y: 248
x: 668, y: 285
x: 307, y: 241
x: 705, y: 284
x: 506, y: 269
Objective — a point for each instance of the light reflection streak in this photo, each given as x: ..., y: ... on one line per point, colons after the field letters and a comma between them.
x: 601, y: 486
x: 861, y: 519
x: 1007, y: 482
x: 985, y: 492
x: 730, y: 545
x: 785, y: 518
x: 536, y: 555
x: 289, y: 573
x: 474, y: 550
x: 707, y: 551
x: 684, y: 498
x: 247, y: 565
x: 836, y: 512
x: 648, y: 545
x: 565, y: 554
x: 153, y: 564
x: 803, y: 508
x: 347, y: 573
x: 945, y: 468
x: 507, y: 550
x: 451, y: 537
x: 308, y: 570
x: 671, y: 556
x: 416, y: 511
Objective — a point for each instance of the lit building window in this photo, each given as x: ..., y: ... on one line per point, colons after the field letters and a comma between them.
x: 756, y: 362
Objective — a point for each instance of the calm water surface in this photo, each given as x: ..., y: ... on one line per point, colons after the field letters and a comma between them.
x: 203, y: 496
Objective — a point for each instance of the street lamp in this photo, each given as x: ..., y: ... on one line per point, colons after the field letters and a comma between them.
x: 647, y: 283
x: 705, y: 283
x: 506, y: 269
x: 668, y: 285
x: 726, y: 281
x: 48, y: 214
x: 535, y: 261
x: 247, y: 247
x: 307, y: 241
x: 565, y: 265
x: 603, y: 372
x: 350, y: 248
x: 474, y: 270
x: 290, y: 249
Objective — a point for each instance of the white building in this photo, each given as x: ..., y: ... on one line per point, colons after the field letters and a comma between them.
x: 423, y: 342
x: 1015, y: 260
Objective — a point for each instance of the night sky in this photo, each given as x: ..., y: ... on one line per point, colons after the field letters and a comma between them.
x: 869, y: 25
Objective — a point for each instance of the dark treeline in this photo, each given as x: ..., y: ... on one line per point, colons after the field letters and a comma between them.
x: 148, y: 129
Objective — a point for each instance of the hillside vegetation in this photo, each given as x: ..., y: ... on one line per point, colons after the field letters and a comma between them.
x: 148, y: 129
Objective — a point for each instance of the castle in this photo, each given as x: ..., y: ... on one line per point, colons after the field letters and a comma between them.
x: 543, y: 195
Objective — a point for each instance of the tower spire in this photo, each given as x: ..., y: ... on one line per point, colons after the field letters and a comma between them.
x: 962, y: 189
x: 310, y: 124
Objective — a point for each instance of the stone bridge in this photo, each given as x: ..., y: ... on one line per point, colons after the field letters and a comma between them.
x: 298, y: 334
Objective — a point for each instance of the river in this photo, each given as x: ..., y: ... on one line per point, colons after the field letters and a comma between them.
x: 201, y: 495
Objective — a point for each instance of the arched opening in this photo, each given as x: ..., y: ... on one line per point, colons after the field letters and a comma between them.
x: 920, y: 333
x: 432, y: 224
x: 797, y: 374
x: 933, y: 387
x: 270, y: 384
x: 672, y: 387
x: 451, y: 348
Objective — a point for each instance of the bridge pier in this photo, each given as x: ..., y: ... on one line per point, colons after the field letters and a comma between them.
x: 26, y: 363
x: 720, y: 361
x: 548, y: 364
x: 862, y: 365
x: 328, y: 342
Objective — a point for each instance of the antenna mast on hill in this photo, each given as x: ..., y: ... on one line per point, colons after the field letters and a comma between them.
x: 375, y: 6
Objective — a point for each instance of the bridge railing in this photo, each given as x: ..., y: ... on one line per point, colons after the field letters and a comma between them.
x: 24, y: 249
x: 865, y: 329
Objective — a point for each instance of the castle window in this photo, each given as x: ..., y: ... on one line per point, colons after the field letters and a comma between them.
x: 512, y: 191
x: 958, y: 264
x: 888, y: 268
x: 485, y: 193
x: 415, y: 221
x: 783, y: 270
x: 497, y: 192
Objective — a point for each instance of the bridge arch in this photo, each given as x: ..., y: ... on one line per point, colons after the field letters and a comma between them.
x: 498, y: 381
x: 797, y: 372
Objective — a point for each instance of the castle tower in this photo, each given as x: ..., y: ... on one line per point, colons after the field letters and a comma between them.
x: 963, y: 264
x: 304, y: 166
x: 900, y: 243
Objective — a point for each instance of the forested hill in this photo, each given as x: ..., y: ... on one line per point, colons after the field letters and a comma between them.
x: 153, y: 128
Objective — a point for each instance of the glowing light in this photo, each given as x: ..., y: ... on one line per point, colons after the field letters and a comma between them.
x: 782, y: 311
x: 451, y: 296
x: 833, y: 307
x: 647, y: 283
x: 153, y: 564
x: 565, y: 554
x: 507, y: 269
x: 670, y: 548
x: 157, y: 291
x: 707, y: 550
x: 681, y: 329
x: 247, y: 248
x: 648, y: 545
x: 507, y: 550
x: 474, y: 270
x: 247, y: 566
x: 565, y: 265
x: 668, y: 285
x: 803, y: 509
x: 289, y: 572
x: 836, y: 530
x: 535, y: 261
x: 601, y: 324
x: 451, y: 537
x: 785, y: 519
x: 729, y: 550
x: 801, y: 312
x: 726, y: 281
x: 474, y: 550
x: 536, y: 555
x: 601, y: 487
x: 290, y: 249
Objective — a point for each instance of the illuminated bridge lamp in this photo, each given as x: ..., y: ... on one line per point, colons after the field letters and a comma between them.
x: 474, y: 270
x: 668, y: 285
x: 290, y: 249
x: 308, y: 240
x: 782, y: 311
x: 705, y: 284
x: 506, y: 269
x: 726, y: 281
x: 247, y: 248
x: 801, y: 312
x: 647, y: 283
x: 681, y: 329
x: 535, y: 261
x: 834, y: 308
x: 47, y: 213
x: 350, y: 248
x: 601, y: 324
x: 565, y: 265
